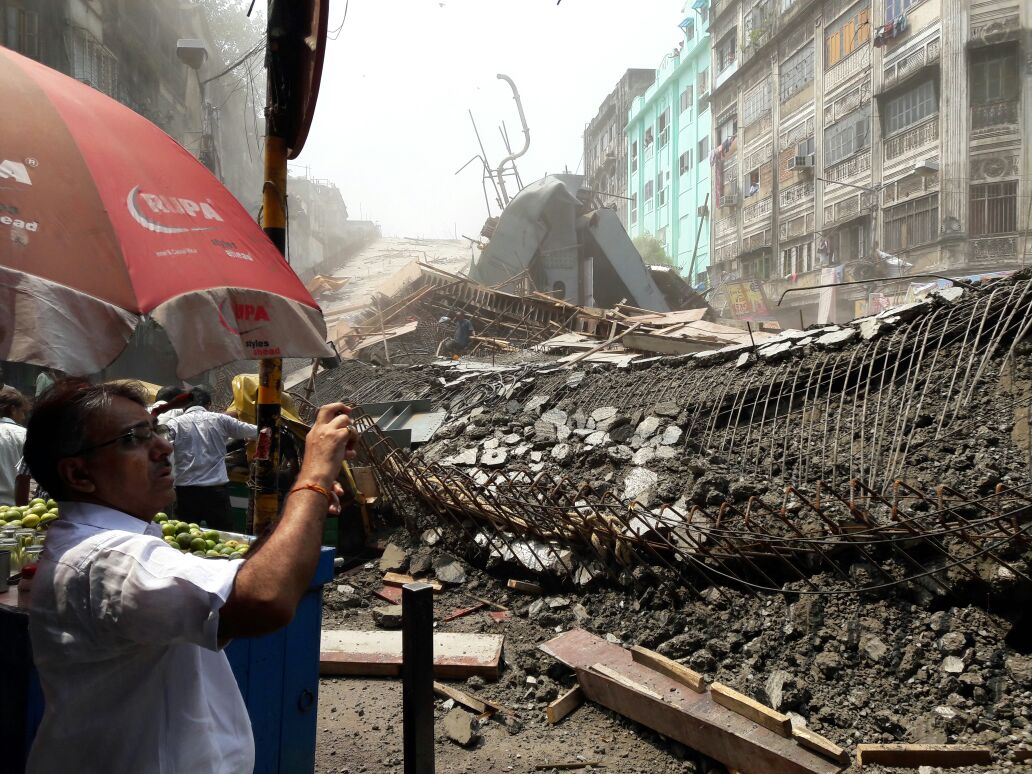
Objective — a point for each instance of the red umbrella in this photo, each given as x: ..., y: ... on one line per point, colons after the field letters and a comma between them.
x: 105, y: 220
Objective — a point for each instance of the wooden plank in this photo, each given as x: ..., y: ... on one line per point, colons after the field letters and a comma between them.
x: 467, y: 700
x: 524, y: 586
x: 378, y: 654
x: 564, y: 705
x: 691, y: 718
x: 460, y: 612
x: 820, y: 744
x: 669, y: 667
x: 625, y: 681
x: 400, y: 579
x: 753, y: 710
x: 912, y: 756
x: 390, y: 594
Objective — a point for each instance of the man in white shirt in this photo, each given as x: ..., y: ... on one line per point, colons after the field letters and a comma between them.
x: 127, y: 631
x: 13, y: 408
x: 199, y: 436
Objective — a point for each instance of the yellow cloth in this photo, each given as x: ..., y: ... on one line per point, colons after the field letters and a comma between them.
x: 245, y: 396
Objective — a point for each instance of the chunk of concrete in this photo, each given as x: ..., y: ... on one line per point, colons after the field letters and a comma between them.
x: 560, y: 452
x: 640, y: 484
x: 666, y: 452
x: 387, y: 617
x: 671, y: 435
x: 647, y: 427
x: 493, y: 458
x: 667, y: 408
x: 597, y: 438
x: 604, y: 413
x: 620, y: 453
x: 394, y: 559
x: 643, y: 456
x: 466, y: 457
x: 837, y: 338
x: 952, y: 665
x: 491, y: 443
x: 555, y: 416
x: 450, y: 572
x: 461, y: 727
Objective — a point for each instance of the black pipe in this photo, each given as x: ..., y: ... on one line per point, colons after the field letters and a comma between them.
x: 417, y: 676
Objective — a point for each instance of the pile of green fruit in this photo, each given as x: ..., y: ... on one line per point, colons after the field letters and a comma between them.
x: 190, y: 537
x: 36, y: 515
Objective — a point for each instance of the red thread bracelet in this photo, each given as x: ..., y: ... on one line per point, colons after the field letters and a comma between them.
x: 315, y: 488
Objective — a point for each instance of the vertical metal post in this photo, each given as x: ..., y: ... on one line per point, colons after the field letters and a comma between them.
x: 264, y: 500
x: 417, y: 675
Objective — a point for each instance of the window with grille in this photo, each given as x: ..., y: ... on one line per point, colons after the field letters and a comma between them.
x: 756, y: 24
x: 684, y: 162
x: 702, y: 81
x: 894, y: 8
x: 648, y: 192
x: 787, y: 261
x: 797, y: 71
x: 664, y: 128
x: 848, y: 33
x: 994, y: 208
x: 634, y: 156
x: 994, y: 76
x: 756, y: 103
x: 686, y: 98
x: 726, y: 51
x: 661, y: 189
x: 703, y: 153
x: 912, y: 223
x: 850, y: 135
x: 798, y: 259
x: 910, y: 107
x: 633, y: 217
x: 649, y: 143
x: 807, y: 147
x: 21, y: 31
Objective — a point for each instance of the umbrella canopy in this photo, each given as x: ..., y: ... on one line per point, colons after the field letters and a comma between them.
x: 105, y: 219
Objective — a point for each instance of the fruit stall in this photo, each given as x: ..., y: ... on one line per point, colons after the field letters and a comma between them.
x: 278, y: 674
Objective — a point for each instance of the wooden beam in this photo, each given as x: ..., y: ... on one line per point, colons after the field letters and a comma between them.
x: 819, y: 744
x: 611, y: 340
x: 524, y: 586
x: 457, y: 656
x: 914, y: 755
x: 564, y: 705
x: 753, y: 710
x: 467, y: 700
x: 625, y: 681
x: 669, y: 667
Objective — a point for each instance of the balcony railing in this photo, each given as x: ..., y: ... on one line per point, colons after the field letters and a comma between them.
x: 1002, y: 114
x: 912, y: 139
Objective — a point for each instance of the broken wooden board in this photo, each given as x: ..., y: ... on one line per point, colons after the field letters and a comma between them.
x: 461, y: 612
x: 820, y: 744
x: 564, y: 705
x: 752, y: 709
x: 390, y: 594
x: 400, y: 579
x: 912, y: 756
x: 378, y: 654
x: 691, y: 718
x: 524, y: 586
x: 669, y: 667
x: 469, y: 701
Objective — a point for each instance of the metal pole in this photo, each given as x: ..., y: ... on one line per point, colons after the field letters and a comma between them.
x: 695, y: 250
x: 264, y: 500
x: 417, y: 676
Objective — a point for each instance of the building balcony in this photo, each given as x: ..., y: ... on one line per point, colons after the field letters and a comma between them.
x: 994, y: 251
x: 912, y: 139
x: 999, y: 117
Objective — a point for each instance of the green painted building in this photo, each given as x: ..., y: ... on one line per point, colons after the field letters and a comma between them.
x: 668, y: 169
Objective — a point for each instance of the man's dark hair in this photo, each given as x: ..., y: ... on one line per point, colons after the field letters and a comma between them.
x: 201, y: 396
x: 57, y: 428
x: 168, y: 393
x: 11, y: 400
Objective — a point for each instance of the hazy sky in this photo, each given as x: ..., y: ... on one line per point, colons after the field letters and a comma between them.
x: 391, y: 126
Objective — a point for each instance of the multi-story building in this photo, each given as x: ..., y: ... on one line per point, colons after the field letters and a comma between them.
x: 668, y: 168
x: 128, y: 50
x: 605, y: 146
x: 868, y: 138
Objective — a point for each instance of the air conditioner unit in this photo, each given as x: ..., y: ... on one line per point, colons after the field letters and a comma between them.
x: 802, y: 162
x: 729, y: 200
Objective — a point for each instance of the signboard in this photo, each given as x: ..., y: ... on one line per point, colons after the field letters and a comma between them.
x: 747, y: 301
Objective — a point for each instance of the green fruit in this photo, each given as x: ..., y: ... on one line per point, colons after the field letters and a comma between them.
x: 51, y: 503
x: 3, y: 523
x: 16, y: 523
x: 184, y: 539
x: 30, y: 522
x: 198, y: 544
x: 47, y: 518
x: 198, y: 553
x: 194, y: 525
x: 172, y: 542
x: 236, y: 555
x: 212, y: 554
x: 160, y: 517
x: 168, y: 530
x: 226, y: 551
x: 210, y: 544
x: 212, y: 535
x: 182, y: 529
x: 38, y: 510
x: 37, y: 501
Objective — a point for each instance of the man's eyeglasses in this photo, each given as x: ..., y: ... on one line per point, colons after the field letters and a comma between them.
x: 137, y: 435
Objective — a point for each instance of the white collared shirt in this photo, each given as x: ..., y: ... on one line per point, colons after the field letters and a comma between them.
x: 12, y: 439
x: 125, y: 637
x: 199, y: 440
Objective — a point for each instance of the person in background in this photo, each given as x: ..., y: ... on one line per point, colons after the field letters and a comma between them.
x: 464, y: 333
x: 199, y: 437
x: 14, y: 408
x: 127, y: 632
x: 46, y: 379
x: 170, y: 402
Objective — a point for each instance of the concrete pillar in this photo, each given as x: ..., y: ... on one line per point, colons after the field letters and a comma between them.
x: 954, y: 132
x: 1025, y: 172
x: 877, y: 152
x: 818, y: 128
